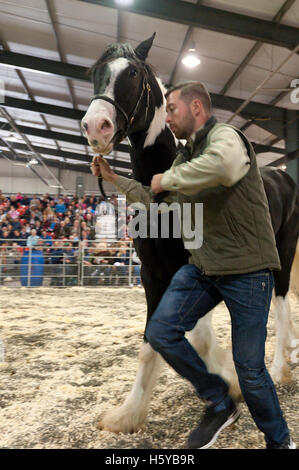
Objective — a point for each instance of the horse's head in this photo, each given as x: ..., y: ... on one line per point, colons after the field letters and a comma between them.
x: 126, y: 96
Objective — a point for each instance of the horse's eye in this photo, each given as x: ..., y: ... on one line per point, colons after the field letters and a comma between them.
x: 133, y: 73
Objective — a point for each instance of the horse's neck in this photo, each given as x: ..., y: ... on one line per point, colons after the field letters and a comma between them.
x: 150, y: 160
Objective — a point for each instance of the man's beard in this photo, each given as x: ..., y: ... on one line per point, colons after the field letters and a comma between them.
x: 188, y: 129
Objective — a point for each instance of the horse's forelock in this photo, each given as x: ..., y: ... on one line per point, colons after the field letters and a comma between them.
x: 116, y: 51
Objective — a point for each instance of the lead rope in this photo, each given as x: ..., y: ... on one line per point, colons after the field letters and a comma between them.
x: 100, y: 183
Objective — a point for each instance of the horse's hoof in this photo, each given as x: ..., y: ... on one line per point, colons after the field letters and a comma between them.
x: 282, y: 375
x: 109, y: 422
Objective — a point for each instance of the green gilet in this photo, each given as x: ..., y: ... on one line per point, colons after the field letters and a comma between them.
x: 237, y: 231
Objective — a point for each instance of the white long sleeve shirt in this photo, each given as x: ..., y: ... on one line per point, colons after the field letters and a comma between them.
x: 224, y: 162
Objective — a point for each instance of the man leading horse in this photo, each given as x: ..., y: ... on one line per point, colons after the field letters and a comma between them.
x: 234, y: 264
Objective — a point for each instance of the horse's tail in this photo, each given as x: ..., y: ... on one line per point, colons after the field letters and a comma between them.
x: 295, y: 272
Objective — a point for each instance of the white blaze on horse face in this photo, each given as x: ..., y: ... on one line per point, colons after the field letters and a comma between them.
x: 99, y: 122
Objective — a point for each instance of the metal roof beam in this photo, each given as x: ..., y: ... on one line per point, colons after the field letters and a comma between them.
x: 253, y: 111
x: 66, y: 154
x: 46, y: 134
x: 79, y: 140
x: 26, y: 87
x: 38, y: 107
x: 51, y: 67
x: 29, y: 146
x: 277, y: 19
x: 263, y: 83
x: 53, y: 135
x: 58, y: 164
x: 212, y: 19
x: 272, y: 114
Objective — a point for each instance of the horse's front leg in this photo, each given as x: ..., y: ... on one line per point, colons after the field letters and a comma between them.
x: 286, y: 337
x: 130, y: 416
x: 217, y: 360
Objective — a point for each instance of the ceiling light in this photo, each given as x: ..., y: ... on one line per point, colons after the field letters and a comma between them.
x: 191, y: 59
x: 33, y: 161
x: 124, y: 3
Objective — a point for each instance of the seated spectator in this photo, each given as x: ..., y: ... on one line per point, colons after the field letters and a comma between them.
x: 49, y: 212
x: 32, y: 239
x: 89, y: 229
x: 26, y: 200
x: 5, y: 236
x: 92, y: 202
x: 44, y: 201
x: 84, y: 235
x: 76, y: 230
x: 13, y: 202
x: 2, y: 197
x: 2, y: 214
x: 68, y: 223
x: 60, y: 207
x: 10, y: 230
x: 35, y: 203
x: 89, y: 211
x: 47, y: 239
x: 53, y: 224
x: 13, y: 213
x: 23, y: 234
x: 21, y: 240
x: 27, y: 229
x: 81, y: 206
x: 89, y: 220
x: 16, y: 224
x: 74, y: 239
x: 34, y: 216
x: 61, y: 230
x: 45, y: 222
x: 38, y: 227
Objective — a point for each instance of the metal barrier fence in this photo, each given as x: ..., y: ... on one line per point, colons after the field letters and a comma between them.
x: 63, y: 263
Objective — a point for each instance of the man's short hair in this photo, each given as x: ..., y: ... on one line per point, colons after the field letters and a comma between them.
x: 192, y: 90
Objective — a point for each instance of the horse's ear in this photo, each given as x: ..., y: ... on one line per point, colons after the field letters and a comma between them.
x: 143, y: 48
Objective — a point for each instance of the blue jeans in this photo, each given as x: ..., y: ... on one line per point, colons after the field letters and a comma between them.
x: 191, y: 295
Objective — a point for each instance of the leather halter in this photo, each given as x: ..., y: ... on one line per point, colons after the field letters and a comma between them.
x: 129, y: 120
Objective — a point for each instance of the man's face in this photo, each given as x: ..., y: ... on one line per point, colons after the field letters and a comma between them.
x: 179, y: 117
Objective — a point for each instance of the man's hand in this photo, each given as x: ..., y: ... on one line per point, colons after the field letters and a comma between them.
x: 156, y: 183
x: 101, y: 167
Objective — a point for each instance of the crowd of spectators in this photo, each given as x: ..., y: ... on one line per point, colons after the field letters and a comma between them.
x: 55, y: 217
x: 56, y: 225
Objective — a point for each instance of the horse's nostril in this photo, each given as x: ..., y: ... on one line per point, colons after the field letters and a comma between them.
x: 94, y: 142
x: 105, y: 124
x: 84, y: 126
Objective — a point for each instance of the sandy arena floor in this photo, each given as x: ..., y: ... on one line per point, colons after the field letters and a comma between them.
x: 69, y: 354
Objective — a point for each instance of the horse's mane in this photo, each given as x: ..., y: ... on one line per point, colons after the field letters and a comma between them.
x: 116, y: 50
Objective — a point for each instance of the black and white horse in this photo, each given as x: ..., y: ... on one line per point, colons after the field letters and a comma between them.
x: 129, y: 101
